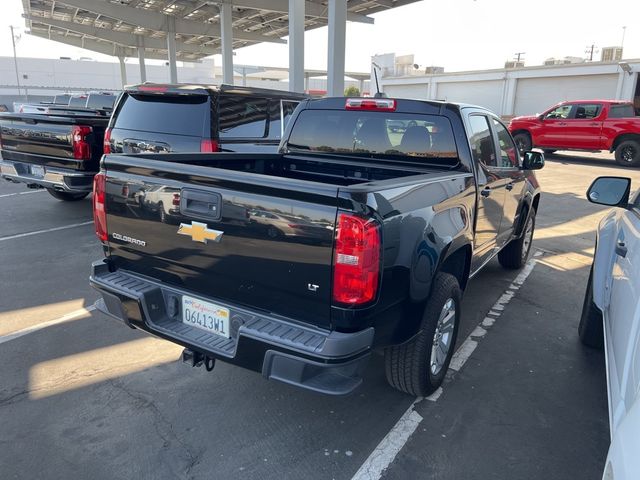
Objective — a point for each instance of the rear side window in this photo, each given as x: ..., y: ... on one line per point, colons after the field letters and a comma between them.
x: 240, y: 117
x: 622, y: 111
x: 586, y: 111
x: 482, y: 146
x: 173, y: 114
x: 370, y: 133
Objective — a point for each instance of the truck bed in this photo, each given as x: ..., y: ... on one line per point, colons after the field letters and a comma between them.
x: 321, y: 169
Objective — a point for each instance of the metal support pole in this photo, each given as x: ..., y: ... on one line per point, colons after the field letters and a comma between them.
x: 337, y: 39
x: 226, y: 33
x: 123, y: 70
x: 15, y: 59
x: 306, y: 81
x: 296, y: 45
x: 143, y: 68
x: 171, y: 48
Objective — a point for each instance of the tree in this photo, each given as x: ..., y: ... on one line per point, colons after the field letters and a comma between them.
x: 351, y: 91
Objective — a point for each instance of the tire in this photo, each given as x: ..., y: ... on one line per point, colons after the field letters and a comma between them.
x: 67, y: 196
x: 414, y: 367
x: 514, y: 255
x: 163, y: 215
x: 548, y: 151
x: 523, y: 141
x: 628, y: 153
x: 273, y: 232
x: 591, y: 329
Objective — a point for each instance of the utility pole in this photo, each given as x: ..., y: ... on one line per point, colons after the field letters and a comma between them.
x: 591, y: 49
x: 517, y: 55
x: 15, y: 59
x: 624, y: 30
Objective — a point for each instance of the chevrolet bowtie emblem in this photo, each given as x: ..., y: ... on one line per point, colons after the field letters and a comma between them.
x: 199, y: 232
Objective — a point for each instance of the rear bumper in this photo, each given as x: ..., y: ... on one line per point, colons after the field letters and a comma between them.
x: 323, y: 361
x: 60, y: 179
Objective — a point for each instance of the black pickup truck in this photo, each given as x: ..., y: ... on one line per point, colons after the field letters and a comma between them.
x: 59, y: 151
x: 361, y: 234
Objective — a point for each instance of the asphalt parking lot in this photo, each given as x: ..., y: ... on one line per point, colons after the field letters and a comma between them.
x: 82, y: 396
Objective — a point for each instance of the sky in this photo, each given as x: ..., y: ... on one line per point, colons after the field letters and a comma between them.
x: 455, y: 34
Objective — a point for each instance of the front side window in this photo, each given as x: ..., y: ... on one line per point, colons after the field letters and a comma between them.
x: 241, y: 117
x: 276, y: 109
x: 508, y: 150
x: 586, y: 111
x: 561, y: 112
x: 482, y: 146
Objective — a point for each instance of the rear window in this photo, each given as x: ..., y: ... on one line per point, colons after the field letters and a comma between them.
x: 101, y: 101
x: 78, y: 101
x: 178, y: 115
x: 622, y: 111
x: 368, y: 133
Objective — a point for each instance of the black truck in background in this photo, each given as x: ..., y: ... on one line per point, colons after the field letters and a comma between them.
x: 360, y: 234
x: 60, y: 151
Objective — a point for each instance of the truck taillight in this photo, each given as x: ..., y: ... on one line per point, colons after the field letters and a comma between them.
x: 99, y: 206
x: 209, y: 145
x: 176, y: 199
x: 379, y: 104
x: 80, y: 143
x: 106, y: 146
x: 356, y: 261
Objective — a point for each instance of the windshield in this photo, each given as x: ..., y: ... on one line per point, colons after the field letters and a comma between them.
x: 374, y: 133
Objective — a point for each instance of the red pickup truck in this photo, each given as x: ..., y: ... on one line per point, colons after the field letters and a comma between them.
x: 590, y: 125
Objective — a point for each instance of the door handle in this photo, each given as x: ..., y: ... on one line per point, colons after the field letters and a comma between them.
x: 562, y: 123
x: 486, y: 191
x: 621, y: 249
x: 594, y: 124
x: 509, y: 186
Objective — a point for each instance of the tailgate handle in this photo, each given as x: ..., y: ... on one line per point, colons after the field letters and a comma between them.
x: 199, y: 204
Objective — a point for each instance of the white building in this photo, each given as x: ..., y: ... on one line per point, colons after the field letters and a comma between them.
x: 518, y: 91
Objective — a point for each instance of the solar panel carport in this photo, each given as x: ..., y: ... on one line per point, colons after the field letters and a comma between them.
x: 189, y: 30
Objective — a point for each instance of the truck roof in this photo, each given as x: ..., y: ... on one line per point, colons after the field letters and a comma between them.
x: 338, y: 103
x: 592, y: 100
x: 204, y: 89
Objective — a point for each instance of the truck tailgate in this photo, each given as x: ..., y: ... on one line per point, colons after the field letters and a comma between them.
x: 243, y: 238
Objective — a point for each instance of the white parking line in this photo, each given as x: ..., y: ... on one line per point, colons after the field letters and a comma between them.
x: 35, y: 328
x: 37, y: 232
x: 392, y: 443
x: 21, y: 193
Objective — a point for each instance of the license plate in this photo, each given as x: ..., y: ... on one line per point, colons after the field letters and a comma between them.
x: 205, y: 315
x: 37, y: 171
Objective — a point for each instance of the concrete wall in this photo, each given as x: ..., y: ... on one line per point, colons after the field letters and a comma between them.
x: 520, y: 91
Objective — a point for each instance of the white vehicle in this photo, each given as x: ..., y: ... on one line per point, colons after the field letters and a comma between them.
x: 611, y: 319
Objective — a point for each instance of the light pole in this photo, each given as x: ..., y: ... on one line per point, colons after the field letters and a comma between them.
x: 15, y: 58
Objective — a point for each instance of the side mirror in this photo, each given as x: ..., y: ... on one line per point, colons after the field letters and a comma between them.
x: 541, y: 117
x: 610, y: 191
x: 532, y: 160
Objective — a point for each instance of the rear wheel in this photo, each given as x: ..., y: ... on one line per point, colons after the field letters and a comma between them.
x: 590, y: 329
x: 628, y: 153
x: 418, y: 366
x: 515, y: 254
x: 523, y: 141
x: 67, y: 196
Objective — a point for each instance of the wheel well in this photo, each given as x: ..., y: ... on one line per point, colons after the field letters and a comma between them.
x: 623, y: 138
x: 458, y: 264
x: 516, y: 132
